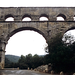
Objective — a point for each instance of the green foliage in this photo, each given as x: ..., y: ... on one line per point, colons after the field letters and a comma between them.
x: 7, y: 62
x: 37, y: 61
x: 27, y: 61
x: 31, y: 61
x: 61, y: 56
x: 55, y: 43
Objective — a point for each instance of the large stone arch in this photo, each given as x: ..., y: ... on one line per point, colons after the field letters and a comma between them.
x: 25, y: 28
x: 10, y: 29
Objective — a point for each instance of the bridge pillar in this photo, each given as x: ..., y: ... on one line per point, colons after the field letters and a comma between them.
x: 70, y: 19
x: 35, y: 18
x: 2, y: 59
x: 2, y: 53
x: 17, y: 18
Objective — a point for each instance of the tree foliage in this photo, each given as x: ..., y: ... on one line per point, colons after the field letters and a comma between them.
x: 27, y: 61
x: 61, y: 56
x: 68, y: 39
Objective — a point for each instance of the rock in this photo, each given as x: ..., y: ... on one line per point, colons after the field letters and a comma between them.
x: 28, y: 68
x: 31, y: 69
x: 18, y: 68
x: 61, y: 73
x: 46, y: 70
x: 52, y: 72
x: 34, y: 69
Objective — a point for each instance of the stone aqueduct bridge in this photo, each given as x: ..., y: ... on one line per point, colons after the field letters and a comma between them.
x: 48, y: 29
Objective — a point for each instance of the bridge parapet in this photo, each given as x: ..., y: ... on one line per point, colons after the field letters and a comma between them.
x: 36, y: 12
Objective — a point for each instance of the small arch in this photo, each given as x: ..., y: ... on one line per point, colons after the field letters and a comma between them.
x: 43, y: 17
x: 9, y: 18
x: 26, y: 18
x: 61, y: 17
x: 28, y: 38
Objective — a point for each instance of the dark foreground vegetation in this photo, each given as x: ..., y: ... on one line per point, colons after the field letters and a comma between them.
x: 25, y: 61
x: 61, y: 56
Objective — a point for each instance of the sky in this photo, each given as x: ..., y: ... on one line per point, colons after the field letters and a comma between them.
x: 37, y: 42
x: 25, y: 42
x: 37, y: 3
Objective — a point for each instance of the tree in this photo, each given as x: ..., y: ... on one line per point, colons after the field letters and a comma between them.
x: 7, y: 62
x: 37, y: 61
x: 61, y: 56
x: 22, y: 59
x: 29, y: 60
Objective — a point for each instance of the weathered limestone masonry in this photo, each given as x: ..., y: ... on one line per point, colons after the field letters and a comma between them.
x: 48, y: 29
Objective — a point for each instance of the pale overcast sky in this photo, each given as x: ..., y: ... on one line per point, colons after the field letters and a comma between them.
x: 37, y: 3
x: 36, y: 42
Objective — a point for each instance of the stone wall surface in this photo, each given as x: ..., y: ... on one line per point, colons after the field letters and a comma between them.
x: 35, y: 12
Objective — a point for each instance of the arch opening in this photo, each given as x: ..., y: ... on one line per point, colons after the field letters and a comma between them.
x: 33, y: 37
x: 26, y: 18
x: 9, y: 18
x: 43, y: 17
x: 61, y: 17
x: 69, y: 36
x: 25, y: 28
x: 29, y: 45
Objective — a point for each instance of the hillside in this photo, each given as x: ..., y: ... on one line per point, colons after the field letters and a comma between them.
x: 12, y: 58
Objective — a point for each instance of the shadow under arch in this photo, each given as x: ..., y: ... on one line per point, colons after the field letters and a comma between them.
x: 44, y: 15
x: 9, y: 15
x: 71, y: 28
x: 26, y: 15
x: 62, y: 15
x: 25, y: 28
